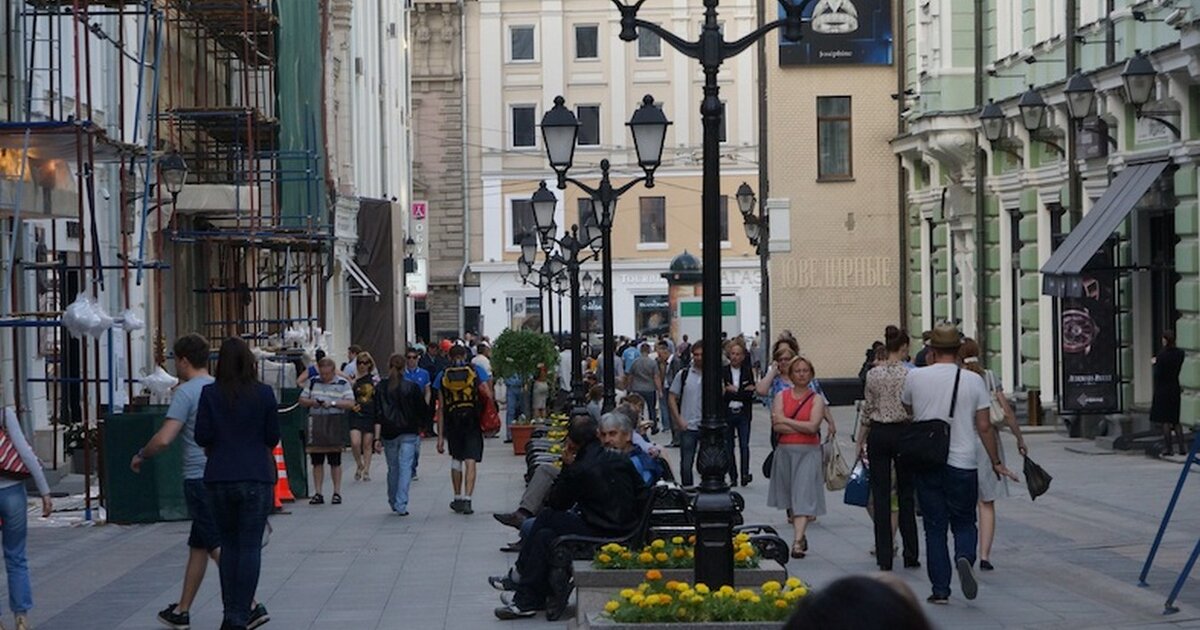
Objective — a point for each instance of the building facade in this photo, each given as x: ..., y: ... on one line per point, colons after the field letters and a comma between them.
x: 521, y: 55
x: 835, y: 264
x: 1066, y: 243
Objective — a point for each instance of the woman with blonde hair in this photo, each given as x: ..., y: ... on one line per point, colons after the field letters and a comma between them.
x: 990, y: 487
x: 362, y: 416
x: 797, y: 474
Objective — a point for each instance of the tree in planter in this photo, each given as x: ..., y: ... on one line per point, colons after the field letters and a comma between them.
x: 523, y: 353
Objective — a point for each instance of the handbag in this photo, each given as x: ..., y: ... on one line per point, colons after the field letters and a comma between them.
x: 11, y: 464
x: 858, y: 485
x: 837, y: 473
x: 489, y: 415
x: 995, y: 409
x: 926, y: 444
x: 1036, y: 479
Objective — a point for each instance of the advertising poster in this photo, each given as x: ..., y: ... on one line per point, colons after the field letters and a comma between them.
x: 842, y: 32
x: 1088, y: 333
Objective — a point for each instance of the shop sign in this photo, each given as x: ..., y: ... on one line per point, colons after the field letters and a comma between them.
x: 842, y: 32
x: 1089, y: 342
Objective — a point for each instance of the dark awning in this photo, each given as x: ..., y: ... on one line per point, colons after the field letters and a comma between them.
x: 1060, y: 274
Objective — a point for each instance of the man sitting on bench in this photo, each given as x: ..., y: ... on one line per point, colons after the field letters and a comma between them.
x: 598, y: 493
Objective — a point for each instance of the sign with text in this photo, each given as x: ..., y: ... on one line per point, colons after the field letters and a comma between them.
x: 417, y: 282
x: 1088, y: 332
x: 842, y: 32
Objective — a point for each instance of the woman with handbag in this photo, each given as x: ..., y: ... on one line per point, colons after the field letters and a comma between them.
x: 17, y: 463
x: 797, y: 473
x: 884, y: 421
x: 990, y: 487
x: 328, y: 398
x: 362, y: 415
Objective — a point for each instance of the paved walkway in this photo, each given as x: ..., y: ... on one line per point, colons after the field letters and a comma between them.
x: 1070, y: 560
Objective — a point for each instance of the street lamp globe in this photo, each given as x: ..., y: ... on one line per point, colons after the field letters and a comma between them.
x: 555, y: 266
x: 173, y: 170
x: 590, y: 233
x: 524, y: 267
x: 1081, y: 97
x: 544, y: 205
x: 992, y: 119
x: 598, y: 286
x: 745, y: 199
x: 1139, y: 76
x: 649, y: 127
x: 1033, y: 109
x: 753, y: 230
x: 586, y: 282
x: 560, y: 129
x: 529, y: 248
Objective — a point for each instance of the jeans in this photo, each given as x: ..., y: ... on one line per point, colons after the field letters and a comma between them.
x: 882, y: 443
x: 512, y: 404
x: 739, y: 425
x: 948, y: 496
x: 400, y: 453
x: 241, y: 509
x: 666, y: 416
x: 533, y: 561
x: 689, y: 442
x: 12, y: 510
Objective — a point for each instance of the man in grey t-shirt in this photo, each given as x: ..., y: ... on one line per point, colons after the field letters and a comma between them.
x: 685, y: 402
x: 191, y: 364
x: 645, y: 382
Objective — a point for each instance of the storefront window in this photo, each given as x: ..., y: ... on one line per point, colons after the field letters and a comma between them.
x: 653, y: 315
x: 526, y: 313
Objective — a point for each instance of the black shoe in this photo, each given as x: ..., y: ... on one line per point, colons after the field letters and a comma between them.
x: 508, y: 441
x: 512, y: 547
x: 940, y: 600
x: 316, y: 499
x: 985, y: 565
x: 502, y: 582
x: 337, y: 499
x: 258, y: 617
x: 513, y: 611
x: 466, y: 507
x: 912, y: 564
x: 746, y: 479
x: 176, y: 620
x: 456, y: 505
x: 512, y: 519
x: 966, y: 578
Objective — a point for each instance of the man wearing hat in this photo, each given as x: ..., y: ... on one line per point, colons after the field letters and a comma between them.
x: 922, y: 358
x: 948, y: 493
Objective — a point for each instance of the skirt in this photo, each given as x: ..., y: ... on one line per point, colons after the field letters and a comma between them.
x: 990, y: 488
x: 327, y: 433
x: 798, y: 480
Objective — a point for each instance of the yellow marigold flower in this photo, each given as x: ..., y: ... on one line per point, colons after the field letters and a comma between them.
x: 664, y: 599
x: 604, y: 558
x: 681, y: 613
x: 651, y: 600
x: 678, y: 540
x: 691, y: 553
x: 771, y: 586
x: 750, y: 551
x: 659, y: 543
x: 742, y: 538
x: 692, y: 539
x: 661, y: 556
x: 727, y: 589
x: 678, y: 553
x: 740, y: 556
x: 645, y: 557
x: 794, y: 582
x: 653, y: 574
x: 612, y: 606
x: 780, y: 603
x: 745, y: 594
x: 628, y: 593
x: 756, y: 599
x: 643, y: 587
x: 638, y: 599
x: 702, y: 588
x: 801, y: 592
x: 671, y: 585
x: 697, y: 599
x: 625, y: 555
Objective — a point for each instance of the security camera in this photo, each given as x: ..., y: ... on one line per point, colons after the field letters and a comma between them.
x: 1177, y: 18
x: 1030, y: 59
x: 104, y: 193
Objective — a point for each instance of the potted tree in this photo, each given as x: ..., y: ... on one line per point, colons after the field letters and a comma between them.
x: 522, y: 353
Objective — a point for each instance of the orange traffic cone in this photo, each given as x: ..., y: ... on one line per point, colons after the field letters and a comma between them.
x: 283, y: 491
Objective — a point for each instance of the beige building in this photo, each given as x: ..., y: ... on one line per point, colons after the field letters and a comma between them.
x: 835, y: 266
x: 521, y: 54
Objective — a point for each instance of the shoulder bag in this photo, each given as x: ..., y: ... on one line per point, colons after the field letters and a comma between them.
x: 926, y: 444
x: 11, y: 464
x: 995, y: 409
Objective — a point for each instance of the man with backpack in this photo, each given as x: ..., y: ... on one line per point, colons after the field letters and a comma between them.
x: 459, y: 390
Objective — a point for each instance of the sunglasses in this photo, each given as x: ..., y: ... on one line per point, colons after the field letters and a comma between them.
x: 412, y: 356
x: 363, y: 362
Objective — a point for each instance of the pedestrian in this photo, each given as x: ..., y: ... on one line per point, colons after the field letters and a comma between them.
x: 483, y: 357
x: 949, y: 490
x: 540, y: 393
x: 514, y: 403
x: 416, y: 374
x: 237, y: 425
x: 797, y: 473
x: 645, y: 381
x: 739, y: 400
x: 922, y: 358
x: 458, y: 424
x: 362, y: 415
x: 349, y: 369
x: 668, y: 367
x: 595, y: 402
x: 400, y: 410
x: 685, y: 400
x: 859, y: 602
x: 775, y: 380
x: 14, y: 510
x: 328, y: 398
x: 990, y: 488
x: 884, y: 421
x: 683, y: 351
x: 1165, y: 403
x: 310, y: 373
x: 204, y: 542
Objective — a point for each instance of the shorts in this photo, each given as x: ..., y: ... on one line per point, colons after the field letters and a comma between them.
x: 465, y: 442
x: 318, y: 459
x: 204, y: 534
x: 364, y: 425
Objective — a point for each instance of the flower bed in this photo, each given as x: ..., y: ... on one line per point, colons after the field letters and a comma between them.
x: 668, y: 601
x: 676, y: 553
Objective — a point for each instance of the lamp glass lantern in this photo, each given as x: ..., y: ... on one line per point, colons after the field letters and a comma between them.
x: 1139, y: 76
x: 544, y: 204
x: 555, y: 267
x: 753, y: 230
x: 173, y: 170
x: 1033, y: 109
x: 586, y: 282
x: 598, y: 287
x: 524, y: 268
x: 528, y: 248
x: 590, y: 232
x: 1081, y: 97
x: 745, y: 199
x: 649, y: 127
x: 560, y: 131
x: 992, y: 119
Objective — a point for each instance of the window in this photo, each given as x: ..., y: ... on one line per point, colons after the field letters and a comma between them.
x: 523, y: 223
x: 653, y: 212
x: 724, y: 123
x: 833, y: 138
x: 649, y: 45
x: 724, y: 217
x: 589, y: 125
x: 521, y: 43
x: 587, y: 42
x: 524, y: 129
x: 652, y: 315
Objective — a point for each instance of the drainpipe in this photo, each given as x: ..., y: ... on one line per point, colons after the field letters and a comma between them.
x: 462, y: 69
x: 764, y: 181
x: 901, y: 181
x: 980, y: 201
x: 1110, y: 34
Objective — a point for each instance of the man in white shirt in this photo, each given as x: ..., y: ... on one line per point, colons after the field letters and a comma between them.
x: 948, y: 494
x: 685, y: 402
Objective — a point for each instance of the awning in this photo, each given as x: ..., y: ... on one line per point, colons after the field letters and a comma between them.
x: 1060, y: 274
x: 366, y: 288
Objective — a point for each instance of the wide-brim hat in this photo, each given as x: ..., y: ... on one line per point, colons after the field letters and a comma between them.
x: 945, y: 337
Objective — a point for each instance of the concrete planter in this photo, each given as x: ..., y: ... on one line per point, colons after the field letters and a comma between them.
x: 597, y: 621
x: 594, y: 587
